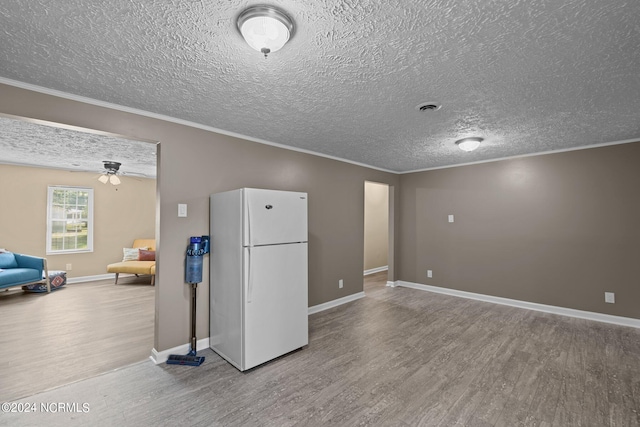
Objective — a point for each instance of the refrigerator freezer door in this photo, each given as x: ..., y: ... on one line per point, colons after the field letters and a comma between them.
x: 273, y: 217
x: 276, y: 303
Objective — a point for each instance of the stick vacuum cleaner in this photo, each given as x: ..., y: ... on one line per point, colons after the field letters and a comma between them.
x: 193, y: 272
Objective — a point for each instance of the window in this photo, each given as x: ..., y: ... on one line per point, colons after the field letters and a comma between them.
x: 69, y: 220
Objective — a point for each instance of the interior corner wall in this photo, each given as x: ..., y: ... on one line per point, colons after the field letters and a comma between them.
x: 120, y: 214
x: 557, y: 229
x: 195, y: 163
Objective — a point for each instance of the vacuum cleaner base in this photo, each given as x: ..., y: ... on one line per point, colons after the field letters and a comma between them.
x: 175, y: 359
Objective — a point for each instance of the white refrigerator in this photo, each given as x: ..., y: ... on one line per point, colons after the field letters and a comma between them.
x: 258, y: 275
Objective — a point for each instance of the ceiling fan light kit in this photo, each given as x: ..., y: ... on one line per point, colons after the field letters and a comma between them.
x: 265, y: 28
x: 110, y: 174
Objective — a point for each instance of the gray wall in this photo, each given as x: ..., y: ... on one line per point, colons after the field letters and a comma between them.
x: 194, y: 163
x: 558, y: 229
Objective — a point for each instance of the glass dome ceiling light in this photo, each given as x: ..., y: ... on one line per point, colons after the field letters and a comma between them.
x: 469, y: 144
x: 265, y: 28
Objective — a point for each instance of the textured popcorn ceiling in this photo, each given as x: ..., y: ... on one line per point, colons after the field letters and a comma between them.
x: 527, y: 75
x: 36, y: 144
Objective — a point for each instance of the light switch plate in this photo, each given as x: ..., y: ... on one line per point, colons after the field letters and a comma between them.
x: 450, y: 218
x: 182, y: 210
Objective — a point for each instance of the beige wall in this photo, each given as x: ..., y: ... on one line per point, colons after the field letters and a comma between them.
x: 194, y: 163
x: 119, y: 216
x: 376, y: 225
x: 558, y: 229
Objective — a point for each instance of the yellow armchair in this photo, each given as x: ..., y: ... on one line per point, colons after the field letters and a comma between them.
x: 136, y: 267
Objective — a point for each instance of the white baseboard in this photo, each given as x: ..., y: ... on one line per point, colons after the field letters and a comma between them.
x: 580, y: 314
x: 158, y: 357
x: 391, y: 284
x: 335, y: 303
x: 376, y: 270
x: 91, y: 278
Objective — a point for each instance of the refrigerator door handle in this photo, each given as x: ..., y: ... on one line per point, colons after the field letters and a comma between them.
x: 248, y: 207
x: 249, y: 279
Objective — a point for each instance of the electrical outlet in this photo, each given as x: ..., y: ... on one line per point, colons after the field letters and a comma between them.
x: 429, y: 274
x: 69, y: 267
x: 610, y: 297
x: 340, y: 283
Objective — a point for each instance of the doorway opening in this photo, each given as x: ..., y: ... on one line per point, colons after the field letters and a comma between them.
x: 97, y: 324
x: 378, y: 234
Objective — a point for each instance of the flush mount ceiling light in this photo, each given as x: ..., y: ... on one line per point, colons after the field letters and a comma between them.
x: 469, y: 144
x: 265, y: 28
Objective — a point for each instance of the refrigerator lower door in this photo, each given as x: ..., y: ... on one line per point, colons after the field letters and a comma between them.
x: 275, y: 301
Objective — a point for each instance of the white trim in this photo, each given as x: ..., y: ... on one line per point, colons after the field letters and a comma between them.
x: 107, y: 276
x: 74, y: 128
x: 117, y: 107
x: 519, y: 156
x: 376, y: 270
x: 158, y: 357
x: 570, y: 312
x: 90, y: 278
x: 335, y: 303
x: 86, y: 100
x: 51, y: 219
x: 391, y: 284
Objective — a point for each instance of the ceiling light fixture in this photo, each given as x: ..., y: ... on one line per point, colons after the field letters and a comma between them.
x: 469, y: 144
x: 109, y: 175
x: 265, y: 28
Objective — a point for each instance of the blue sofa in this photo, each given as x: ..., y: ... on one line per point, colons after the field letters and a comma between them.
x: 18, y: 270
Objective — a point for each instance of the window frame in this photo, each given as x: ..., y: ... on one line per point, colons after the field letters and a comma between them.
x: 50, y: 220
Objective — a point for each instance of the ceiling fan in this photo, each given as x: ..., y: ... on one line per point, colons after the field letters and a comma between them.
x: 110, y: 173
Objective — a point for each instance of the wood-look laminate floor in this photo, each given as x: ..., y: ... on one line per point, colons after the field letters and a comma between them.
x: 398, y: 357
x: 73, y: 333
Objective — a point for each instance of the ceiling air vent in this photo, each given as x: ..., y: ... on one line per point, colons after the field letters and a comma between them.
x: 428, y: 106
